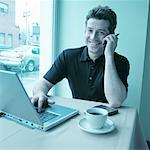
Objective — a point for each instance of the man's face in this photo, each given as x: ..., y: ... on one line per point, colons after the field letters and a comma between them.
x: 95, y: 32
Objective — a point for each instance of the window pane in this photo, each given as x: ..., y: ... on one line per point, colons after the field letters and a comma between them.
x: 20, y: 38
x: 27, y: 18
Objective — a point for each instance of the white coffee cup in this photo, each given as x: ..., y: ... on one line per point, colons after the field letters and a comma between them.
x: 96, y: 117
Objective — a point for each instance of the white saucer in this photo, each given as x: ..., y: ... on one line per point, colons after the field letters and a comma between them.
x: 108, y: 127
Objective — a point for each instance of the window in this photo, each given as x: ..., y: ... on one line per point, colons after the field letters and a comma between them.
x: 29, y: 34
x: 3, y: 7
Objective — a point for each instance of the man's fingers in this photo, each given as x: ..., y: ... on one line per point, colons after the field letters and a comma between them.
x: 34, y: 100
x: 51, y: 102
x: 40, y: 103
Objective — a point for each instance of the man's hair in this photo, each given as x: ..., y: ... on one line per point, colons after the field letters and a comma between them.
x: 105, y: 13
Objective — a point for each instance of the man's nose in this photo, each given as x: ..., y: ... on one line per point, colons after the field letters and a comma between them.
x: 93, y: 35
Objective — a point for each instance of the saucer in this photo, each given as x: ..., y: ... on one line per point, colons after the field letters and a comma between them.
x: 108, y: 127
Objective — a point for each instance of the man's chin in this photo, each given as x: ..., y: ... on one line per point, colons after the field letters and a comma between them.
x: 96, y: 50
x: 95, y: 46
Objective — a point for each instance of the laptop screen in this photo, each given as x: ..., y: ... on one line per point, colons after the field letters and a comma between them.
x: 14, y: 99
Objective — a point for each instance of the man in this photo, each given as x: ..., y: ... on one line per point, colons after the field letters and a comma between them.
x: 95, y: 72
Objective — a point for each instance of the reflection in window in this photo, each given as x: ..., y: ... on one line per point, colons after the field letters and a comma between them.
x: 3, y: 7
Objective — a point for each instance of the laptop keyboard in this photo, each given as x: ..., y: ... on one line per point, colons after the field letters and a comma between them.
x: 47, y: 116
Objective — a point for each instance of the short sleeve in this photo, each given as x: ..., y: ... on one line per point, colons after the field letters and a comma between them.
x: 58, y: 70
x: 123, y: 67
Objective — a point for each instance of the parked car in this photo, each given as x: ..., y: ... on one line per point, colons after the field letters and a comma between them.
x: 25, y: 58
x: 4, y: 48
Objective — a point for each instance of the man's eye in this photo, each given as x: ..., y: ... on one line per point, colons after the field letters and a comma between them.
x: 101, y: 33
x: 90, y: 31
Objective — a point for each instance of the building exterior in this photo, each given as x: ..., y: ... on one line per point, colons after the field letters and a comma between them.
x: 35, y: 34
x: 9, y: 32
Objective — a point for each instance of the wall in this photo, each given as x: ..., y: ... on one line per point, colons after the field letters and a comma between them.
x: 145, y: 96
x: 132, y: 26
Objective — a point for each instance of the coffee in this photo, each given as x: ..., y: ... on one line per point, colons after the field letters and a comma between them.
x: 95, y: 113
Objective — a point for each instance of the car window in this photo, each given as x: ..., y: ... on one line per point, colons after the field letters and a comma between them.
x: 36, y: 51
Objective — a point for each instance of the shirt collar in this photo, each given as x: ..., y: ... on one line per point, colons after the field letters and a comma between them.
x: 85, y: 56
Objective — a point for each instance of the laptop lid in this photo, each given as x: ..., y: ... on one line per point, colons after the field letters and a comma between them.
x: 15, y: 101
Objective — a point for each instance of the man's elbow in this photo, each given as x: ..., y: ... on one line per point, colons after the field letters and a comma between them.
x: 117, y: 102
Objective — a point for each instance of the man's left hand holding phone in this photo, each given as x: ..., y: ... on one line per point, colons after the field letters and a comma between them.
x: 110, y: 44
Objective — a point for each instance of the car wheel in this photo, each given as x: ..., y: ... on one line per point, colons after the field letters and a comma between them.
x: 30, y: 66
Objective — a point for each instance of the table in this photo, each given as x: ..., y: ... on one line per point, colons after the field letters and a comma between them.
x: 68, y: 136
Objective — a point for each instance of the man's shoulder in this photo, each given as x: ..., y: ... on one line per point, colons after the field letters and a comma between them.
x: 120, y: 57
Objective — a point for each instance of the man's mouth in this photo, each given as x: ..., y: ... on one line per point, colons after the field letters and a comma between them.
x: 94, y: 44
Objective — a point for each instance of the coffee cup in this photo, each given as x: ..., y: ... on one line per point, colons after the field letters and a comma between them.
x: 96, y: 117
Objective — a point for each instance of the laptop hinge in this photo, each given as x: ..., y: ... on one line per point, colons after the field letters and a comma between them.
x: 2, y: 114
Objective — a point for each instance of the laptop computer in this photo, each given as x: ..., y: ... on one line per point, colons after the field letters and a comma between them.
x: 16, y: 105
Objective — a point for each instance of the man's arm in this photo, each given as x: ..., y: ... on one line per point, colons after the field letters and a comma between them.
x: 40, y: 91
x: 114, y: 89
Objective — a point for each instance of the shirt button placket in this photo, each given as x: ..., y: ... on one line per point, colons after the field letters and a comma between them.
x: 92, y: 68
x: 90, y: 78
x: 91, y: 74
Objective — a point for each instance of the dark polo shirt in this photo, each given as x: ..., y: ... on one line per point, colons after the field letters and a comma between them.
x: 85, y: 77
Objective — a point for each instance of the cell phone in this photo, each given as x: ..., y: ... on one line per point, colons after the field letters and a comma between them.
x: 111, y: 111
x: 105, y: 42
x: 2, y: 114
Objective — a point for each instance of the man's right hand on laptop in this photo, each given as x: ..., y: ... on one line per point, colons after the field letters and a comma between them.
x: 41, y: 101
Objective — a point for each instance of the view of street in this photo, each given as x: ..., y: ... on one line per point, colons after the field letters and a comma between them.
x: 20, y: 39
x: 27, y: 78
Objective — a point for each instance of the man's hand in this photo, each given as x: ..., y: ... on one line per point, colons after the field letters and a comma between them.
x: 41, y: 101
x: 40, y: 98
x: 111, y: 44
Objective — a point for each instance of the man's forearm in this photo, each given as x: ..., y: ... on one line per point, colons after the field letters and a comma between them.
x: 42, y: 87
x: 114, y: 89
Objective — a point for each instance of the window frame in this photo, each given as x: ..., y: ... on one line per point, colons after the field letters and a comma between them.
x: 47, y: 31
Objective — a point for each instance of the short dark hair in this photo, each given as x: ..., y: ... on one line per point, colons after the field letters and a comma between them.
x: 105, y: 13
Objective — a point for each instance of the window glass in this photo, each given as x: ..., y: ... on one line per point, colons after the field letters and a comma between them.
x: 21, y: 38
